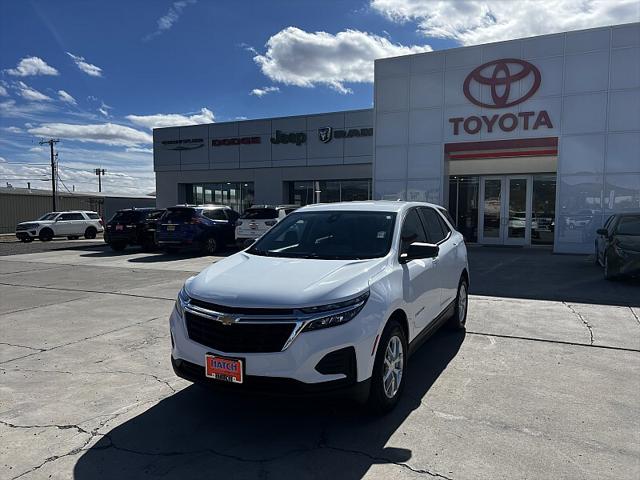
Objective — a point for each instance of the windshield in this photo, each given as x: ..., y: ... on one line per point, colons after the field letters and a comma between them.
x: 629, y: 225
x: 260, y: 213
x: 329, y: 235
x: 48, y: 216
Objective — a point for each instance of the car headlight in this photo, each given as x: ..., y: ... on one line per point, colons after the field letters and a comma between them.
x: 337, y: 313
x: 181, y: 301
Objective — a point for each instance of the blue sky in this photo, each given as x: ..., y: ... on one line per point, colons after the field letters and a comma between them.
x: 100, y: 75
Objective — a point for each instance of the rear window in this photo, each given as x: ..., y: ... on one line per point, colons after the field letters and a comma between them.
x: 178, y: 215
x: 126, y: 217
x: 155, y: 214
x: 93, y: 216
x: 260, y: 213
x: 629, y: 225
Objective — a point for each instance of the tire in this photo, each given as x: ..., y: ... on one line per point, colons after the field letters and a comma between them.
x: 118, y: 247
x: 45, y: 235
x: 608, y: 274
x: 210, y: 246
x: 90, y: 233
x: 459, y: 317
x: 384, y: 395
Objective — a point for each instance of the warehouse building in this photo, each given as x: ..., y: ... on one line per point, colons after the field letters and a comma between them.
x: 527, y: 142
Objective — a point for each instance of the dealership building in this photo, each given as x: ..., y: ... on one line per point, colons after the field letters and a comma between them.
x: 527, y: 142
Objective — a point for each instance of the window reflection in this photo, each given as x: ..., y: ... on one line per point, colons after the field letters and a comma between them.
x: 544, y: 209
x: 327, y: 191
x: 237, y: 195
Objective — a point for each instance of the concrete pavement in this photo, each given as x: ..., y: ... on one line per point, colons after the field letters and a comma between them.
x: 537, y: 388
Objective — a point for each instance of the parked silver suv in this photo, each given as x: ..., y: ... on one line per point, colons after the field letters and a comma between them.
x: 71, y: 224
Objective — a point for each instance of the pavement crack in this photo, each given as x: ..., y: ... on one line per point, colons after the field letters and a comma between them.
x: 22, y: 346
x: 635, y: 315
x: 91, y: 337
x: 582, y: 319
x: 59, y: 427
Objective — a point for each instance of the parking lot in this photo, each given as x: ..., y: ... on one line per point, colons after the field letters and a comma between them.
x: 544, y: 384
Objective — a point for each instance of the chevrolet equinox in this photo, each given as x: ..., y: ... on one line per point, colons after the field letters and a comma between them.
x: 333, y: 298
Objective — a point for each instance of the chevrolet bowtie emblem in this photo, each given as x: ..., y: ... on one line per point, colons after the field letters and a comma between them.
x: 227, y: 319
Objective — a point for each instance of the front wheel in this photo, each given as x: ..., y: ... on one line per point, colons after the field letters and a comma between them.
x: 459, y: 318
x: 387, y: 378
x: 46, y: 234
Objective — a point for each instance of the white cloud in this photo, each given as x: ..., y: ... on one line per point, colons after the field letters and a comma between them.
x: 32, y: 66
x: 305, y: 59
x: 31, y: 94
x: 13, y: 129
x: 104, y: 109
x: 160, y: 120
x: 105, y: 133
x: 3, y: 92
x: 139, y: 150
x: 88, y: 68
x: 261, y: 92
x: 170, y: 18
x: 65, y: 97
x: 472, y: 22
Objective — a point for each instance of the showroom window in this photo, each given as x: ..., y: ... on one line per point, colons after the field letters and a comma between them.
x: 237, y: 195
x: 327, y: 191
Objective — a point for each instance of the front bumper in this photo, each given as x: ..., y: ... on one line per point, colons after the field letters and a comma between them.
x: 273, y: 386
x: 26, y: 234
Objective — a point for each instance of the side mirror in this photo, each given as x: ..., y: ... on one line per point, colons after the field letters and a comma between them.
x: 603, y: 232
x: 419, y: 250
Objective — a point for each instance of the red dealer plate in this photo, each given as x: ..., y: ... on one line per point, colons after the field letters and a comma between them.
x: 223, y: 368
x: 118, y: 227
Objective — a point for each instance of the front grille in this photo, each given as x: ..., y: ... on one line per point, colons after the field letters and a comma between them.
x: 240, y: 311
x: 238, y: 337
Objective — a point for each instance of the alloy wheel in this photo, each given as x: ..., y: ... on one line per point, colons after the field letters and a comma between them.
x: 462, y: 303
x: 393, y: 367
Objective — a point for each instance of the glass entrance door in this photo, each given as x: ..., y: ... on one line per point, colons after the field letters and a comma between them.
x: 505, y: 210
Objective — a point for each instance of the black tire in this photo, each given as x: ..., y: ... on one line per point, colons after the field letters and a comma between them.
x: 210, y: 246
x: 45, y: 235
x: 608, y: 273
x: 459, y: 318
x: 382, y: 398
x: 118, y: 247
x: 90, y: 233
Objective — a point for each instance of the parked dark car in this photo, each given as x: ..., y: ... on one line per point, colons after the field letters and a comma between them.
x: 133, y: 226
x: 208, y: 227
x: 618, y: 245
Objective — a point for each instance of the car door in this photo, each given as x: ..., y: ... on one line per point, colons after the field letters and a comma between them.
x: 64, y: 224
x: 439, y: 233
x: 420, y: 282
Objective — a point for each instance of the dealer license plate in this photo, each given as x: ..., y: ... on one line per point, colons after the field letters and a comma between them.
x: 118, y: 227
x: 223, y: 368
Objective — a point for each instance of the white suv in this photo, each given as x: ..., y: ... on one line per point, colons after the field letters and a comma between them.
x: 334, y: 297
x: 257, y: 220
x: 72, y: 224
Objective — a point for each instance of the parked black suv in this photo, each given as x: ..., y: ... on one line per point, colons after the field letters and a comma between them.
x: 208, y: 227
x: 133, y: 226
x: 618, y: 245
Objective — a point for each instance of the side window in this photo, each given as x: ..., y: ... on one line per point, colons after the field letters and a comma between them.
x: 93, y: 216
x: 71, y: 216
x: 412, y: 230
x: 434, y: 225
x: 217, y: 214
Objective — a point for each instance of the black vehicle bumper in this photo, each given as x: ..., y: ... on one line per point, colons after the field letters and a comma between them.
x: 274, y: 386
x: 24, y: 234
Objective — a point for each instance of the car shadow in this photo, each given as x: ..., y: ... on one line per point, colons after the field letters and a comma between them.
x: 196, y: 433
x: 538, y: 274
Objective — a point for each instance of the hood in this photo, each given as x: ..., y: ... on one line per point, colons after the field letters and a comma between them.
x: 253, y: 281
x: 39, y: 222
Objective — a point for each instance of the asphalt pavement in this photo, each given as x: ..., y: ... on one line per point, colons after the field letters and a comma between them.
x: 540, y: 386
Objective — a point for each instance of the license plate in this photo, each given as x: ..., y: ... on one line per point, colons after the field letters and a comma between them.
x: 118, y: 227
x: 253, y: 226
x: 223, y: 368
x: 171, y: 228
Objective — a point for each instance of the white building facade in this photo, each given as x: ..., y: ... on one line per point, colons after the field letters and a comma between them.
x: 526, y: 142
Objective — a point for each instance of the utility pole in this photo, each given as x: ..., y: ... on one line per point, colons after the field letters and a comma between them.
x: 99, y: 173
x: 52, y: 142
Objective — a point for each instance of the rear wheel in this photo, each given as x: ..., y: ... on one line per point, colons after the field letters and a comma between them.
x: 46, y: 234
x: 459, y: 318
x: 90, y: 233
x: 210, y: 246
x: 387, y: 378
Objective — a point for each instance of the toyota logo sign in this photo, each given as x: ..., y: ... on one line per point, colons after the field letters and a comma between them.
x: 506, y: 72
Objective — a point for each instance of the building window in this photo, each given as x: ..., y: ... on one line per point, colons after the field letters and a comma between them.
x: 237, y: 195
x: 327, y: 191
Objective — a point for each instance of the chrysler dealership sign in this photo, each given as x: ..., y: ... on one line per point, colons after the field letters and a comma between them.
x: 501, y: 77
